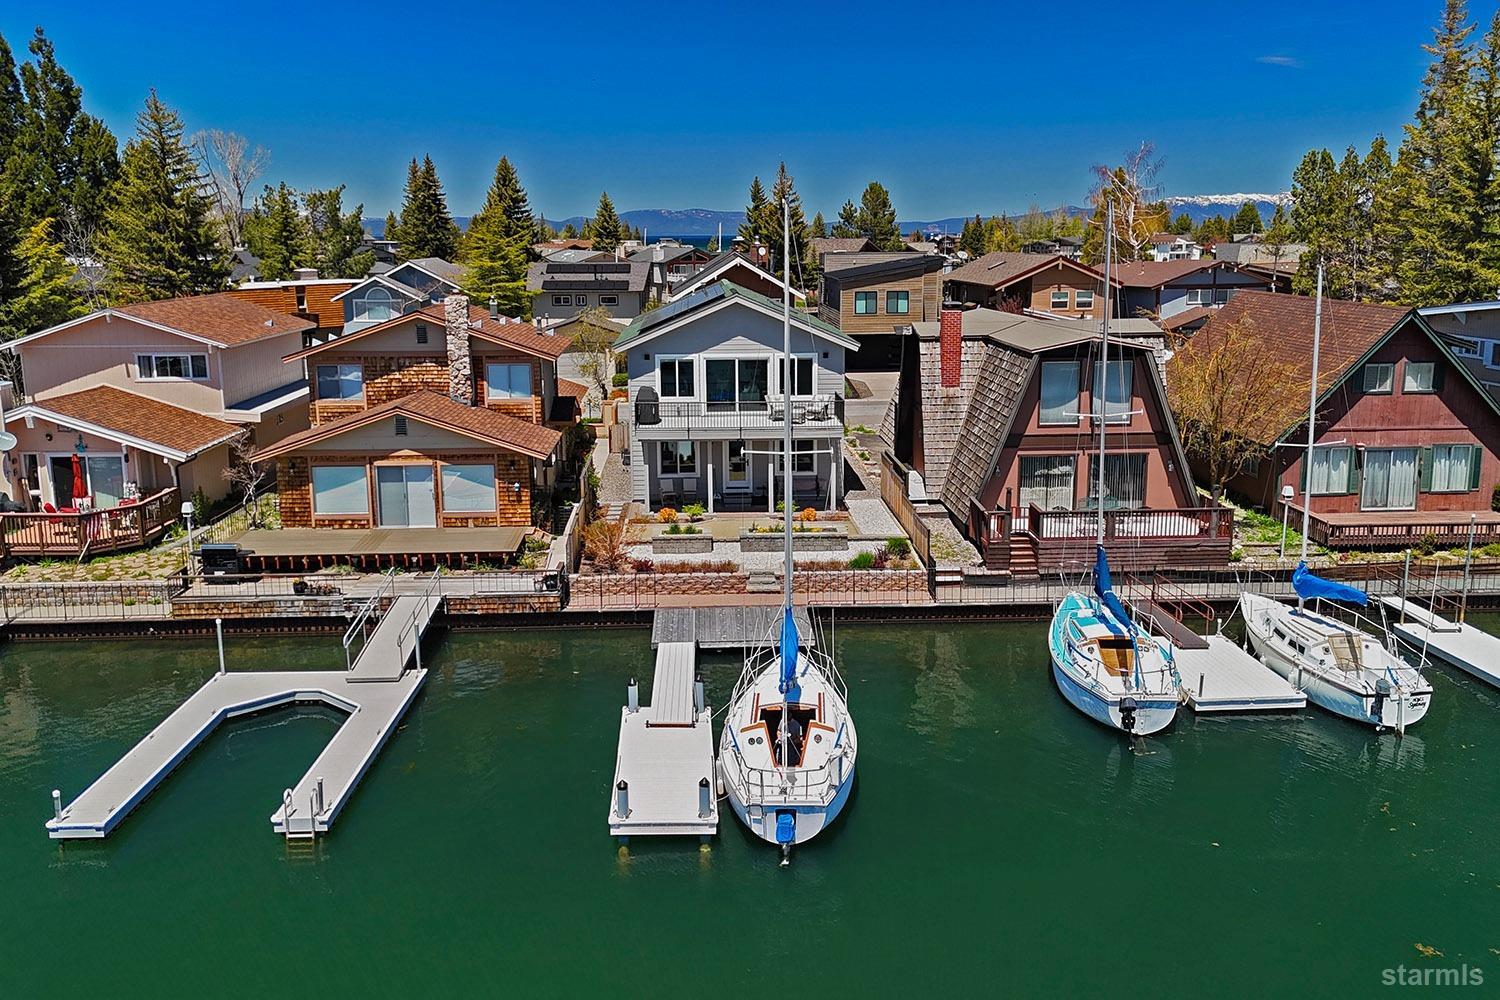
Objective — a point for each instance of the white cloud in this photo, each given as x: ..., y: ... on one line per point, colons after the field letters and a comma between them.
x: 1286, y: 61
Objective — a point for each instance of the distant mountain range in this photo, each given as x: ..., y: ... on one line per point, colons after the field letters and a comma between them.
x: 702, y: 222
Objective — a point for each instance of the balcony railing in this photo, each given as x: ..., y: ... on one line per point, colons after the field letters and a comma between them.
x: 76, y: 535
x: 736, y: 417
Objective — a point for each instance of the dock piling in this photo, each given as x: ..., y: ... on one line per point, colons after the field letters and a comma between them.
x: 622, y: 799
x: 705, y: 804
x: 318, y: 797
x: 56, y: 803
x: 633, y: 697
x: 219, y: 628
x: 698, y: 699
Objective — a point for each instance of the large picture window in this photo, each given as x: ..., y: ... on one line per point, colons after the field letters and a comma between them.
x: 376, y: 305
x: 675, y: 378
x: 1454, y: 468
x: 737, y: 383
x: 468, y: 489
x: 507, y: 381
x: 678, y: 458
x: 1124, y: 482
x: 1117, y: 390
x: 1047, y: 481
x: 340, y: 489
x: 1331, y: 469
x: 1059, y: 392
x: 1390, y: 479
x: 152, y: 366
x: 340, y: 381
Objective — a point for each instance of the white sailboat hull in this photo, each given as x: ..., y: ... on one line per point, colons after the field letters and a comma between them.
x: 1117, y: 702
x: 1402, y: 702
x: 760, y: 818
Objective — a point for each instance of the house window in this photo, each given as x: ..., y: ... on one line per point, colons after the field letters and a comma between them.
x: 1455, y: 468
x: 1047, y: 480
x: 1221, y: 296
x: 1060, y: 300
x: 1198, y: 297
x: 340, y: 489
x: 340, y: 381
x: 187, y: 366
x: 1116, y: 391
x: 580, y: 300
x: 1083, y: 298
x: 562, y: 300
x: 468, y: 489
x: 609, y: 300
x: 507, y: 381
x: 301, y: 291
x: 1124, y: 482
x: 865, y: 303
x: 898, y: 303
x: 376, y: 305
x: 1390, y: 479
x: 804, y: 457
x: 674, y: 378
x: 802, y: 377
x: 678, y: 458
x: 737, y: 383
x: 1059, y: 393
x: 1419, y: 376
x: 1331, y: 469
x: 1378, y: 378
x: 1494, y: 354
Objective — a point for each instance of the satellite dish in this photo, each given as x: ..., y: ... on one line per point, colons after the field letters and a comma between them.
x: 7, y: 441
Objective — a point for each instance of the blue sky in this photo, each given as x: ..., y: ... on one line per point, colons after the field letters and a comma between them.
x: 956, y: 107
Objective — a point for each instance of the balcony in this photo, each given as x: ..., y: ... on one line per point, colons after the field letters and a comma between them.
x: 696, y: 420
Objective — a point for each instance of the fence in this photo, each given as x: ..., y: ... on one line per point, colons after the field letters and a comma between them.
x: 636, y: 591
x: 102, y: 601
x: 894, y: 476
x: 72, y: 534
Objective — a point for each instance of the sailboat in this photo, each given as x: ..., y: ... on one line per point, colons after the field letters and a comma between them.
x: 1105, y: 663
x: 1340, y: 667
x: 786, y: 755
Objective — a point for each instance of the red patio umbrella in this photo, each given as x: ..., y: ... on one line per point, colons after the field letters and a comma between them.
x: 80, y: 490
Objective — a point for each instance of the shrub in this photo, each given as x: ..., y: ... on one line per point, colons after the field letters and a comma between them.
x: 619, y: 380
x: 674, y: 529
x: 807, y: 514
x: 604, y: 544
x: 882, y: 559
x: 694, y: 510
x: 1495, y: 498
x: 864, y: 560
x: 709, y: 566
x: 666, y: 515
x: 642, y: 565
x: 898, y: 547
x: 780, y: 506
x: 1427, y: 544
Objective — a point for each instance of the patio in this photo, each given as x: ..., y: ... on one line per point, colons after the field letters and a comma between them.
x: 77, y: 534
x: 1372, y: 529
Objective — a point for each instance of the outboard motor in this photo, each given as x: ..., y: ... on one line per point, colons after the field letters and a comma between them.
x: 1382, y: 692
x: 1127, y: 714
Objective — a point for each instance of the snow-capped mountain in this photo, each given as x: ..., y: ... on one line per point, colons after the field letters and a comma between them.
x: 1205, y: 206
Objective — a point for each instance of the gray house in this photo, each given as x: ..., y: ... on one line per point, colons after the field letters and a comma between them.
x: 393, y: 290
x: 623, y: 288
x: 708, y: 399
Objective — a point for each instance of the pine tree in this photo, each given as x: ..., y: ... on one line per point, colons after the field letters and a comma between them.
x: 12, y: 102
x: 426, y: 228
x: 753, y: 229
x: 1182, y: 225
x: 46, y: 294
x: 1001, y: 234
x: 159, y: 239
x: 877, y: 218
x: 1278, y: 235
x: 798, y: 258
x: 495, y: 246
x: 971, y: 239
x: 1247, y: 219
x: 605, y: 228
x: 334, y: 238
x: 848, y: 225
x: 819, y: 228
x: 392, y: 228
x: 277, y: 233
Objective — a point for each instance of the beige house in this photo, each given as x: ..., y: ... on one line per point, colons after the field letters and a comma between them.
x: 147, y: 398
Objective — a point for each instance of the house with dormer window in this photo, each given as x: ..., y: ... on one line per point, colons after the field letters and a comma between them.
x: 392, y: 290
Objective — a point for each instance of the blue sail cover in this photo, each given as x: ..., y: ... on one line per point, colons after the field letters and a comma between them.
x: 1105, y: 588
x: 788, y: 652
x: 1309, y: 586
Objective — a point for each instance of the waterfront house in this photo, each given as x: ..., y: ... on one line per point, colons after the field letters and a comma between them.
x: 1165, y: 289
x: 1018, y: 282
x: 1407, y: 439
x: 1472, y: 332
x: 707, y: 400
x: 991, y: 417
x: 872, y: 296
x: 1170, y: 246
x: 393, y: 289
x: 621, y: 288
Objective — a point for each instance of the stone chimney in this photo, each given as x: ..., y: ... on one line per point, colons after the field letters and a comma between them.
x: 460, y: 364
x: 951, y: 345
x: 658, y: 253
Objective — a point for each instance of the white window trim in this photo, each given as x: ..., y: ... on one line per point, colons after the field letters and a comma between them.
x: 1468, y: 463
x: 696, y: 394
x: 771, y: 366
x: 88, y: 479
x: 1067, y: 300
x: 190, y: 355
x: 562, y: 300
x: 781, y: 389
x: 1390, y: 384
x: 609, y: 300
x: 660, y: 469
x: 1406, y: 374
x: 387, y: 299
x: 1078, y: 302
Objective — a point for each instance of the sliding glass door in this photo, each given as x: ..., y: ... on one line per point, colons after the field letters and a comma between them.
x: 1390, y: 479
x: 737, y: 383
x: 406, y: 496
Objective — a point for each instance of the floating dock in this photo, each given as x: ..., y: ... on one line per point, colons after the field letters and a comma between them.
x: 374, y: 691
x: 665, y: 783
x: 1217, y: 675
x: 724, y: 628
x: 1457, y: 643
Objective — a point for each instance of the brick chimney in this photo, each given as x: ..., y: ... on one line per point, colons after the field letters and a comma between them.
x: 460, y: 364
x: 951, y: 345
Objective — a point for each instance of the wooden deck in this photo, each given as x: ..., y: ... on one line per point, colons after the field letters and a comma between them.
x: 1387, y: 529
x: 77, y: 535
x: 305, y: 549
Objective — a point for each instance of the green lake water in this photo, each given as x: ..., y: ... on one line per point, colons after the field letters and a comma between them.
x: 997, y: 841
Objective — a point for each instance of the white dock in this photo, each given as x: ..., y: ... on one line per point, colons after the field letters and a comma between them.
x: 375, y: 691
x: 1222, y: 677
x: 1457, y: 643
x: 664, y: 781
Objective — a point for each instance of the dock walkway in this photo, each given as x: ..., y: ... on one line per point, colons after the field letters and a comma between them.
x: 1457, y: 643
x: 1222, y: 677
x: 375, y: 692
x: 725, y: 627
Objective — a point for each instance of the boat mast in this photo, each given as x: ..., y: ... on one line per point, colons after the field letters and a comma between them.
x: 1312, y: 410
x: 1101, y: 406
x: 786, y: 460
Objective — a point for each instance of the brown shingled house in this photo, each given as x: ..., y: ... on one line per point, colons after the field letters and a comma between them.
x: 1017, y: 282
x: 991, y: 415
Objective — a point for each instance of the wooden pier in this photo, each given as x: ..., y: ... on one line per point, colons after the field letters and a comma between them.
x: 375, y: 691
x: 1457, y: 643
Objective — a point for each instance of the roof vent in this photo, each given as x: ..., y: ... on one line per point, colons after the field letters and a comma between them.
x: 421, y: 333
x: 401, y: 426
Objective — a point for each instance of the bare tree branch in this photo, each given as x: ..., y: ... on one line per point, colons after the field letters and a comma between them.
x: 232, y: 167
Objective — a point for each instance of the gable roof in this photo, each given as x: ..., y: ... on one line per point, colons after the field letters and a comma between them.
x: 139, y: 421
x: 380, y: 278
x: 603, y: 275
x: 436, y: 410
x: 677, y: 313
x: 221, y: 319
x: 503, y: 331
x: 720, y: 267
x: 1350, y: 332
x: 1155, y: 273
x: 437, y: 267
x: 841, y: 244
x: 1006, y: 267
